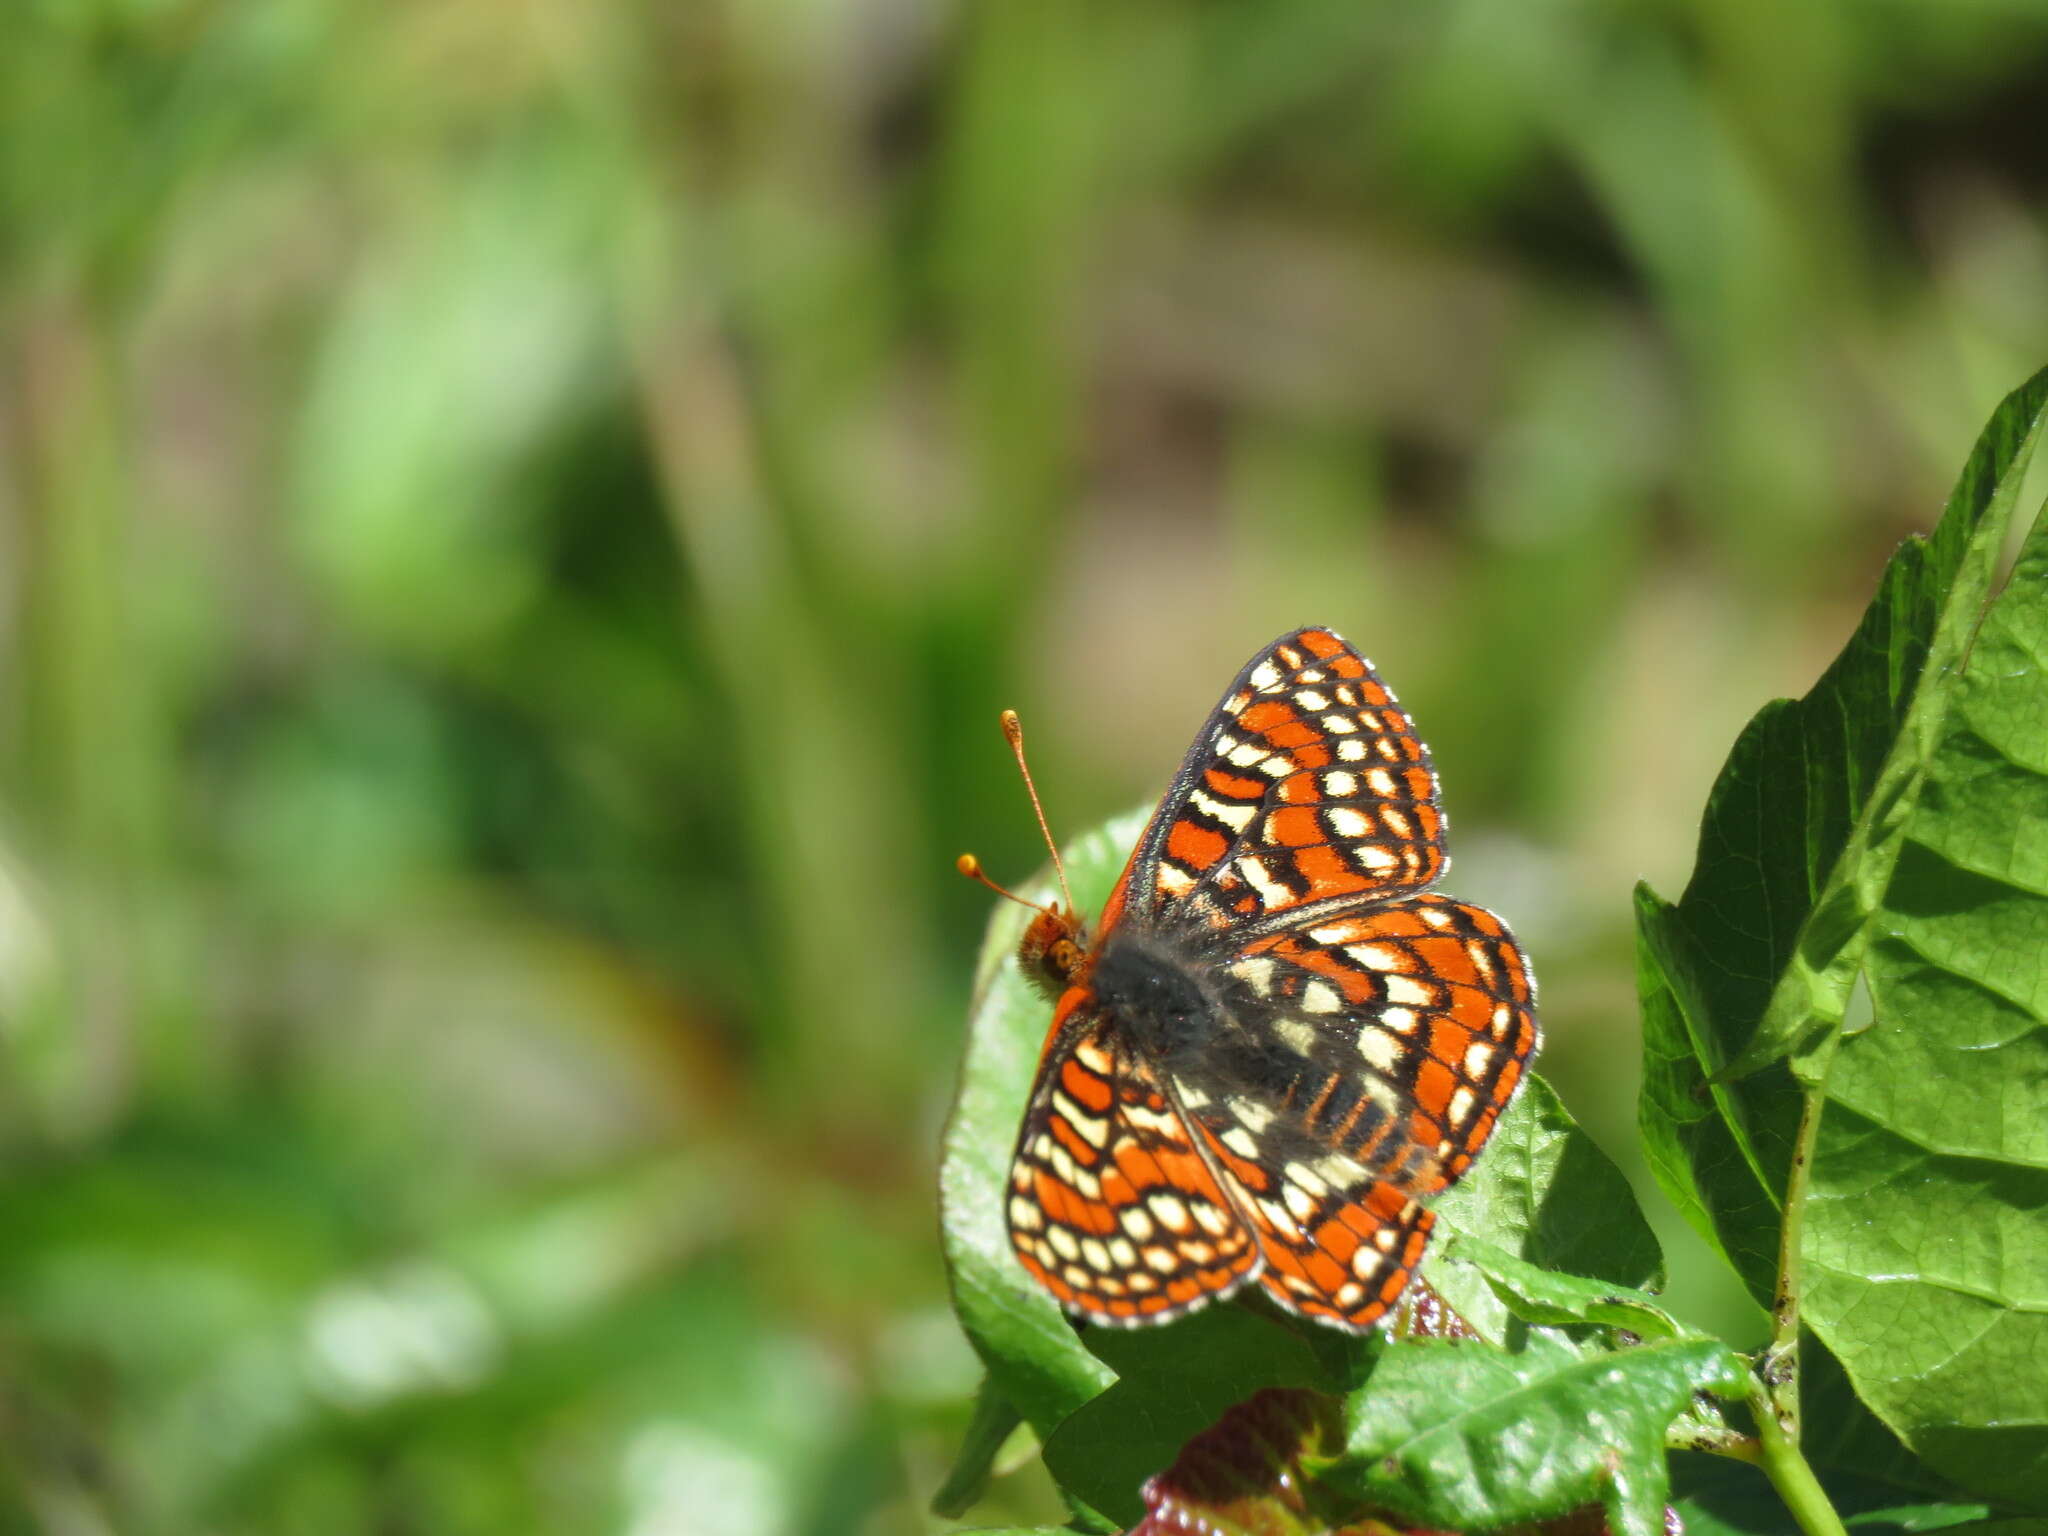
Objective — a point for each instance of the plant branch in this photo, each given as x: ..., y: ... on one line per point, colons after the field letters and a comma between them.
x: 1788, y: 1470
x: 1780, y: 1369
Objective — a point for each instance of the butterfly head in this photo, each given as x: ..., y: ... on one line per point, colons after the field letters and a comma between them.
x: 1054, y: 950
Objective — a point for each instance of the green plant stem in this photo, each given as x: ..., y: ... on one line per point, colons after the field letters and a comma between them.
x: 1788, y: 1471
x: 1781, y: 1368
x: 994, y: 1420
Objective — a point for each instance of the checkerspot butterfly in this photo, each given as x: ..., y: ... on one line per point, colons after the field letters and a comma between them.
x: 1278, y: 1042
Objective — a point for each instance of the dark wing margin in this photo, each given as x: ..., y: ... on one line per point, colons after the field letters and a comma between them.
x: 1306, y: 789
x: 1113, y: 1208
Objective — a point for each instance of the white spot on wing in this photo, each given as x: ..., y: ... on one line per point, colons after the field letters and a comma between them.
x: 1256, y: 973
x: 1090, y: 1128
x: 1321, y: 997
x: 1265, y: 675
x: 1346, y: 822
x: 1405, y: 989
x: 1271, y: 892
x: 1299, y: 1205
x: 1295, y: 1032
x: 1381, y: 1050
x: 1478, y: 1057
x: 1233, y: 814
x: 1171, y: 1213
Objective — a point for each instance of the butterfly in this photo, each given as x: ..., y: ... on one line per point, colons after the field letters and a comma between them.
x: 1277, y: 1042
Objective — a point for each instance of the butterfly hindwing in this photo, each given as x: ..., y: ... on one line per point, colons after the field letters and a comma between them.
x: 1428, y: 1004
x: 1369, y: 1057
x: 1339, y: 1245
x: 1113, y: 1206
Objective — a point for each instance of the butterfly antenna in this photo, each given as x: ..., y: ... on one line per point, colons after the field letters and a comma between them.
x: 970, y: 866
x: 1013, y: 732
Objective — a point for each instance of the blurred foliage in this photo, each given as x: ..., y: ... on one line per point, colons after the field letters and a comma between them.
x: 515, y: 522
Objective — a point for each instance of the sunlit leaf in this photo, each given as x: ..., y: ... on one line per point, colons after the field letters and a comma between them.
x: 1544, y: 1193
x: 1469, y: 1437
x: 1756, y: 958
x: 1927, y: 1230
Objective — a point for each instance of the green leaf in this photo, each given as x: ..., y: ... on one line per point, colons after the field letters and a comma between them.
x: 1467, y: 1437
x: 1555, y: 1300
x: 1035, y: 1358
x: 1750, y: 972
x: 1718, y: 1497
x: 994, y: 1421
x: 1546, y: 1194
x: 1926, y: 1250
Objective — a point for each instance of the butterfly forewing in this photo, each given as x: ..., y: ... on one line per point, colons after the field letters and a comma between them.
x: 1113, y: 1207
x: 1307, y: 786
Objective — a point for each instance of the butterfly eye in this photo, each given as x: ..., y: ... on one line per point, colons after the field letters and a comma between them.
x: 1050, y: 954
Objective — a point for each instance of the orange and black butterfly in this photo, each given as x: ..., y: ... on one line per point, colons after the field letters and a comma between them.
x: 1277, y: 1043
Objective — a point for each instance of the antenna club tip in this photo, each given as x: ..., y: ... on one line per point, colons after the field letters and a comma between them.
x: 968, y: 865
x: 1012, y: 726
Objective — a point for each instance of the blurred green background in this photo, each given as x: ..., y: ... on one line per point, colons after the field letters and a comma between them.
x: 516, y: 520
